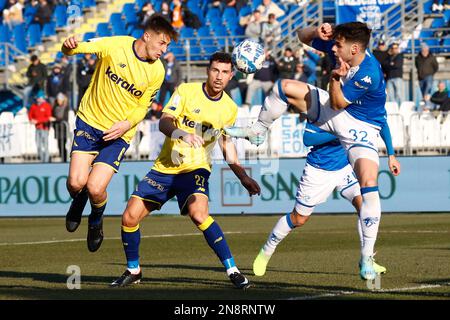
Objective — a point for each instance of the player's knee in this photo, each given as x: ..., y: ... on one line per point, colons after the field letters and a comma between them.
x: 95, y: 190
x: 128, y: 220
x: 198, y: 216
x: 75, y: 183
x: 297, y: 219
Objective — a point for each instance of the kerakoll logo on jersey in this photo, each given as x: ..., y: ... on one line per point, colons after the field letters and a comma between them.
x: 125, y: 85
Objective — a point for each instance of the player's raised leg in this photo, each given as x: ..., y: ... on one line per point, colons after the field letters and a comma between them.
x: 80, y: 165
x: 136, y: 210
x: 197, y: 209
x: 98, y: 181
x: 284, y: 92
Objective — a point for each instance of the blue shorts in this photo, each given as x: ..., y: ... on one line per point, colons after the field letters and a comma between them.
x: 159, y: 187
x: 90, y: 140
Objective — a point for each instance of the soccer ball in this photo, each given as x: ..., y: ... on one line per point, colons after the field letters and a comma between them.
x: 248, y: 56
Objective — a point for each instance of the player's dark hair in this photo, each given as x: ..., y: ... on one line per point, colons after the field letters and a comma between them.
x: 220, y: 57
x: 159, y: 24
x: 353, y: 32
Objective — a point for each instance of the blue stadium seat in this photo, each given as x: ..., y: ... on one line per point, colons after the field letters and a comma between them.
x: 88, y: 3
x: 212, y: 15
x: 49, y: 30
x: 204, y: 32
x: 137, y: 33
x: 103, y: 30
x: 118, y: 25
x: 245, y: 11
x: 446, y: 45
x: 129, y: 11
x: 28, y: 13
x: 60, y: 15
x: 438, y: 23
x: 255, y: 4
x: 187, y: 32
x: 140, y: 3
x: 5, y: 35
x: 229, y: 13
x: 209, y: 50
x: 196, y: 53
x: 88, y: 35
x: 19, y: 39
x: 34, y: 35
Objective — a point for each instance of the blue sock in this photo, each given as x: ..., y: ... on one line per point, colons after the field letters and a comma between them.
x: 97, y: 210
x: 131, y: 238
x: 216, y: 240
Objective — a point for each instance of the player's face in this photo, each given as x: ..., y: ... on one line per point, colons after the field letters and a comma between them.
x: 155, y: 44
x: 219, y: 74
x: 343, y: 49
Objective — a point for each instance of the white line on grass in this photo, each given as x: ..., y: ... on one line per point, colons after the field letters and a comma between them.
x: 338, y: 293
x: 108, y: 238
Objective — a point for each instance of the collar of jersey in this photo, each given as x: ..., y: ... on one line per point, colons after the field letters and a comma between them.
x: 137, y: 56
x: 206, y: 94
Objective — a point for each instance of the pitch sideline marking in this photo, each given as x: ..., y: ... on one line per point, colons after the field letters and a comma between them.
x: 343, y: 293
x: 109, y: 238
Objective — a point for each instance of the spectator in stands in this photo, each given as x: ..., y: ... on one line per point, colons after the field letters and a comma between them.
x: 440, y: 98
x: 271, y: 31
x: 286, y: 66
x: 267, y: 7
x: 264, y: 78
x: 55, y: 83
x: 44, y: 13
x: 237, y: 4
x: 85, y: 70
x: 394, y: 74
x: 61, y: 118
x: 254, y: 27
x: 173, y: 76
x: 190, y: 19
x: 36, y: 74
x: 427, y: 66
x: 165, y: 11
x: 155, y: 112
x: 381, y: 54
x: 40, y: 115
x: 145, y: 14
x: 300, y: 73
x: 12, y: 13
x: 326, y: 66
x: 177, y: 15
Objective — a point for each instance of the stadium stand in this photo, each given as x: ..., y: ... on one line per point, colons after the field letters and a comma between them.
x: 413, y: 131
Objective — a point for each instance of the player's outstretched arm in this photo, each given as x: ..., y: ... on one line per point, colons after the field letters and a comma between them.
x: 230, y: 155
x: 96, y: 46
x: 167, y: 126
x: 307, y: 35
x: 394, y: 164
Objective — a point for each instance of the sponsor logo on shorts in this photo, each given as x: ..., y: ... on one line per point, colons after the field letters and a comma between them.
x: 81, y: 133
x: 154, y: 184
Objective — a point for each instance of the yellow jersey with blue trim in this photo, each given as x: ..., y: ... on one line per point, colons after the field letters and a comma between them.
x: 122, y: 86
x: 194, y: 112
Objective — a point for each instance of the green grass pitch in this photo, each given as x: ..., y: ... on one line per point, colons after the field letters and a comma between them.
x: 317, y: 261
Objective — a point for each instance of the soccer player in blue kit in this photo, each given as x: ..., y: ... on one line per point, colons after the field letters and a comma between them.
x: 326, y: 168
x: 352, y: 109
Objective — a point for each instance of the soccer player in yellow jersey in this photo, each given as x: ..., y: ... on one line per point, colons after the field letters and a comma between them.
x: 127, y: 77
x: 193, y: 120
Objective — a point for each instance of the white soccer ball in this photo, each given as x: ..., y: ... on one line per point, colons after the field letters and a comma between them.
x: 248, y: 56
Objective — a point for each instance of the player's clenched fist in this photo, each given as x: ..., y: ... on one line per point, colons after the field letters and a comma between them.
x: 325, y: 32
x: 70, y: 43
